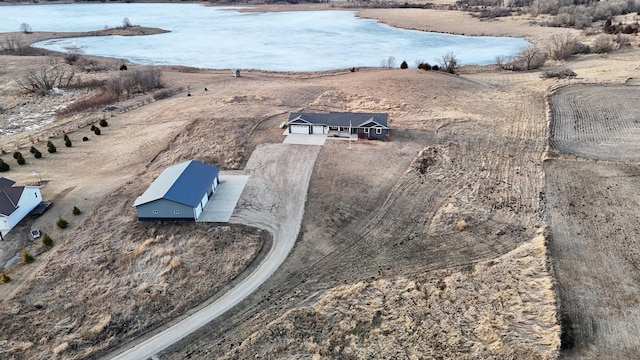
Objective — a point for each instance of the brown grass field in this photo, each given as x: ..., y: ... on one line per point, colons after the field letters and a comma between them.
x: 454, y: 239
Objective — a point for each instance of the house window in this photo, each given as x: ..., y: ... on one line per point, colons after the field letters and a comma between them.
x: 366, y: 130
x: 379, y: 131
x: 176, y: 212
x: 36, y: 194
x: 155, y: 212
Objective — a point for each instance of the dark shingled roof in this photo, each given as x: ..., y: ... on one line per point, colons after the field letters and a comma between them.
x: 185, y: 183
x: 344, y: 119
x: 9, y: 196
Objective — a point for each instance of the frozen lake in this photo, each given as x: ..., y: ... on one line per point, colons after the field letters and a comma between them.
x: 223, y: 38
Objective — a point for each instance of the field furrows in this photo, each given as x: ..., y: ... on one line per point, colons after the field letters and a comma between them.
x: 596, y: 122
x: 595, y: 250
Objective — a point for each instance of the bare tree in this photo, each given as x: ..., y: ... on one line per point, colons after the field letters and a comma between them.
x: 449, y: 63
x: 563, y: 46
x: 389, y: 63
x: 47, y: 77
x: 532, y: 58
x: 126, y: 23
x: 25, y: 28
x: 12, y: 43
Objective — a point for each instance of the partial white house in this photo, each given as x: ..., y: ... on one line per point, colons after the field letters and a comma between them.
x: 180, y: 192
x: 16, y: 202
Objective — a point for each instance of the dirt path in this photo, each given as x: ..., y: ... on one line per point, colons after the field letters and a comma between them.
x: 273, y: 200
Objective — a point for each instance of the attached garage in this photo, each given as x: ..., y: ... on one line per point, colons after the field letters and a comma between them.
x: 299, y: 129
x: 318, y: 129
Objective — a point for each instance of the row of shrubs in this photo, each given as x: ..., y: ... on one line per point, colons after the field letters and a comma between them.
x: 51, y: 148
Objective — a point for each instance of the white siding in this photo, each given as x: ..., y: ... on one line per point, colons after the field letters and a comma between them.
x: 28, y: 201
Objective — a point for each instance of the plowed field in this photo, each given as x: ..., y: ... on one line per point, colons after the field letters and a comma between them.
x: 592, y: 211
x: 597, y: 122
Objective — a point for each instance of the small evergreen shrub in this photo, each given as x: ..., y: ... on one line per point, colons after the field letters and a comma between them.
x: 76, y: 211
x: 85, y: 138
x: 96, y: 131
x: 17, y: 155
x: 32, y: 150
x: 26, y: 256
x: 3, y: 166
x: 47, y: 240
x: 62, y: 223
x: 104, y: 123
x: 67, y: 143
x: 21, y: 161
x: 93, y: 127
x: 4, y: 278
x: 404, y: 65
x: 66, y: 137
x: 52, y: 149
x: 50, y: 144
x: 37, y: 154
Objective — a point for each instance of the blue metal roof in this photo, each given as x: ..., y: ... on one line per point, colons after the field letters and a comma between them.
x: 185, y: 183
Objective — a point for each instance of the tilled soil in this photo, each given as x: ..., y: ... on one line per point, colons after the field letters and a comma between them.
x: 595, y: 251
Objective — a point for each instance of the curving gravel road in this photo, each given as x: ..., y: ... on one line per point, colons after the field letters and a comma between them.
x: 272, y: 200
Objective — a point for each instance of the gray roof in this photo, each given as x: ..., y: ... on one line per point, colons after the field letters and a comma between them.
x: 9, y: 196
x: 184, y: 183
x: 343, y: 119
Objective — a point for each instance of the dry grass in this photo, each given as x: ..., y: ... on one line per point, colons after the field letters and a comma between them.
x: 96, y: 291
x: 502, y: 309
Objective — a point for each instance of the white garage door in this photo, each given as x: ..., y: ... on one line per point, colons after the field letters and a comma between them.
x: 299, y: 129
x: 318, y: 129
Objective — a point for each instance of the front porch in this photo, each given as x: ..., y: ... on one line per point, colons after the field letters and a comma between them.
x: 342, y: 132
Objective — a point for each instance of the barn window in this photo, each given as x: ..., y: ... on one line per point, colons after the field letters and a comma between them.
x: 379, y: 131
x: 36, y: 194
x: 366, y: 130
x: 155, y: 212
x: 176, y: 212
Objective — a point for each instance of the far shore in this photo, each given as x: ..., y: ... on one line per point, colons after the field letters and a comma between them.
x: 433, y: 20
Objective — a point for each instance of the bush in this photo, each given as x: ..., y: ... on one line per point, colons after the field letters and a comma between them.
x: 104, y: 123
x: 21, y: 161
x: 4, y: 278
x: 68, y: 143
x: 66, y: 137
x: 76, y: 211
x: 404, y: 65
x: 26, y: 257
x: 449, y: 63
x: 47, y: 240
x: 17, y: 155
x: 424, y: 66
x: 561, y: 73
x: 3, y: 166
x: 96, y: 131
x: 51, y: 149
x: 84, y: 138
x: 32, y: 150
x: 37, y: 154
x: 62, y: 223
x: 162, y: 94
x: 603, y: 44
